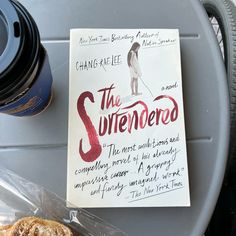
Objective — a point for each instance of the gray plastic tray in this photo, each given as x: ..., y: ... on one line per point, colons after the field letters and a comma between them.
x: 36, y: 147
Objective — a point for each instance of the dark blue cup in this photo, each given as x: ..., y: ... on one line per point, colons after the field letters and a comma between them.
x: 25, y: 75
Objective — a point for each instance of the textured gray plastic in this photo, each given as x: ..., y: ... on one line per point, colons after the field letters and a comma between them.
x: 36, y: 147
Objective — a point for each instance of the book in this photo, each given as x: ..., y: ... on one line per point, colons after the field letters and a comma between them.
x: 126, y: 138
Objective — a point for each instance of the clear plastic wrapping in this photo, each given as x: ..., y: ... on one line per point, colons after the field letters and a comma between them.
x: 20, y: 198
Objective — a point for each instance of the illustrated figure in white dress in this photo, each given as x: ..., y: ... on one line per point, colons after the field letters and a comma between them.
x: 133, y: 63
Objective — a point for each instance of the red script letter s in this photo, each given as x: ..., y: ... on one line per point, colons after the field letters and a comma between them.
x: 96, y: 148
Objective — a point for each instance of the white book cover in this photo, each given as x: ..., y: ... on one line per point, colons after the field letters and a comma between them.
x: 126, y: 139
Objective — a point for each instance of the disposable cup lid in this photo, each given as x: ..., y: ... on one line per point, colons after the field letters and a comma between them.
x: 9, y: 34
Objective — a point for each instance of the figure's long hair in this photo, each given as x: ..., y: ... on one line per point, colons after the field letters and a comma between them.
x: 134, y: 46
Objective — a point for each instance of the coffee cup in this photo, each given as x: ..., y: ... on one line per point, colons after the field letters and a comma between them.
x: 25, y: 74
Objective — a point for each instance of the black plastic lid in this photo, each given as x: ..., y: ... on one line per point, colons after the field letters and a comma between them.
x: 9, y: 34
x: 21, y: 70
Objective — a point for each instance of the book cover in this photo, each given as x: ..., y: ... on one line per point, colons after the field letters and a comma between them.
x: 126, y: 139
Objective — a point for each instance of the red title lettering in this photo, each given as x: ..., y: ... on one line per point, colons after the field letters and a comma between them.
x: 127, y: 119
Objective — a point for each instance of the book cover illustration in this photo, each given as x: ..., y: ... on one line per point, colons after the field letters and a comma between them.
x: 126, y: 139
